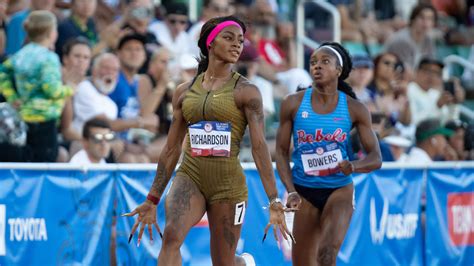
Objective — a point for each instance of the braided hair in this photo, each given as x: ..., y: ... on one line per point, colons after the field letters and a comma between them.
x: 346, y: 68
x: 205, y: 31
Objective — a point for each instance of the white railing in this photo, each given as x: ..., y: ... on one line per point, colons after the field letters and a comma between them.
x: 302, y: 39
x: 455, y: 59
x: 246, y: 166
x: 193, y: 10
x: 449, y: 61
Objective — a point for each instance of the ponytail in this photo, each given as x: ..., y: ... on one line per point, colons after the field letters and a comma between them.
x: 203, y: 64
x: 346, y: 88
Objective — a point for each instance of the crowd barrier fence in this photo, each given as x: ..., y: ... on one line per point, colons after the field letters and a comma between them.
x: 60, y: 214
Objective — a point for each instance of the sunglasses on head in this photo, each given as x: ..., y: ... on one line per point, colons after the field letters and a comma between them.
x: 97, y: 138
x: 176, y: 21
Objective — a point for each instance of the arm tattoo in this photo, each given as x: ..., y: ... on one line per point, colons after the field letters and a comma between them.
x: 256, y: 109
x: 173, y: 120
x: 161, y: 179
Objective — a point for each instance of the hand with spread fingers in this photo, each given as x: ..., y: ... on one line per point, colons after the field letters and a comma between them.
x: 346, y: 167
x: 277, y: 219
x: 147, y: 218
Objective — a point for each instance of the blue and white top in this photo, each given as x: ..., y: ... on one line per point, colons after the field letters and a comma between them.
x: 321, y: 141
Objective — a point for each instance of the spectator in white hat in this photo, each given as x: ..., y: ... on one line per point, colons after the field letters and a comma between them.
x: 398, y: 146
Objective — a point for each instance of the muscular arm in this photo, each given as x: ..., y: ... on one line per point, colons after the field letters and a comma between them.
x: 361, y: 118
x: 253, y: 109
x: 172, y: 150
x: 283, y: 142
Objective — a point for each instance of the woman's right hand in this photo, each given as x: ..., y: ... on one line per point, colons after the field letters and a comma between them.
x: 147, y: 217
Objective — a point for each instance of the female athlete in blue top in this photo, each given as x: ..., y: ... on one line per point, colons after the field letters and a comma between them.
x: 320, y: 119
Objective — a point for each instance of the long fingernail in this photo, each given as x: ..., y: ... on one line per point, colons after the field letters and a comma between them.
x: 138, y: 243
x: 151, y: 241
x: 123, y: 214
x: 161, y: 235
x: 130, y: 238
x: 264, y: 236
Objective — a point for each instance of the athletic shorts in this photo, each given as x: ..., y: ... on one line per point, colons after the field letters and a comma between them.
x: 316, y: 196
x: 219, y: 179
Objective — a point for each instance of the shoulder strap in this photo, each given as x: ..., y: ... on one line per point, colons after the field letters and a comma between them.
x: 236, y: 80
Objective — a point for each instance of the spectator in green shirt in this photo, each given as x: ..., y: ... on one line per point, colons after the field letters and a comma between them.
x: 31, y: 80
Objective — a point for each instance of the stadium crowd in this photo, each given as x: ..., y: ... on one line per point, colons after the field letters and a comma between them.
x: 91, y: 81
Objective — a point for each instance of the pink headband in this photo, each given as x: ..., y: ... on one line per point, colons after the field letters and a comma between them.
x: 218, y: 29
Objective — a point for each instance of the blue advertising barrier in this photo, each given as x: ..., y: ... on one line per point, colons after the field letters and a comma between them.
x: 450, y: 217
x: 386, y: 227
x: 55, y: 217
x: 63, y: 215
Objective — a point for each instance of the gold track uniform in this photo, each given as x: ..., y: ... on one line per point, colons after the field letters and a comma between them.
x: 215, y: 128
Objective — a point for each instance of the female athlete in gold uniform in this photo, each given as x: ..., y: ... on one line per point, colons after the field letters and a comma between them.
x: 212, y: 112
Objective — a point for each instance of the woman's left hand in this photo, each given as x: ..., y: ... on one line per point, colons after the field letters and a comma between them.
x: 277, y: 219
x: 293, y: 201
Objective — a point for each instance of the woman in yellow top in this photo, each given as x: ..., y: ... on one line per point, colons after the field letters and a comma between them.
x: 212, y: 112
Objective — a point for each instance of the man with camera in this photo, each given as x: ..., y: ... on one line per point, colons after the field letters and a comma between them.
x: 430, y: 97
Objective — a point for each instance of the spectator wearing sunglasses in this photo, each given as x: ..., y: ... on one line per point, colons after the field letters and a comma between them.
x: 430, y: 97
x: 389, y: 87
x: 97, y: 136
x: 171, y: 33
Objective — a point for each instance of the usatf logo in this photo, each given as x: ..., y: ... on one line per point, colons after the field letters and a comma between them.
x: 319, y: 150
x: 395, y: 226
x: 3, y: 212
x: 304, y: 114
x: 461, y: 218
x: 208, y: 127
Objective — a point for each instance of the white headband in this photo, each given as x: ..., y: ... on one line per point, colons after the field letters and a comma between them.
x: 339, y: 57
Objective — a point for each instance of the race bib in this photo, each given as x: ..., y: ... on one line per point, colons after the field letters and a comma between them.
x: 321, y: 161
x: 210, y: 138
x: 239, y: 213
